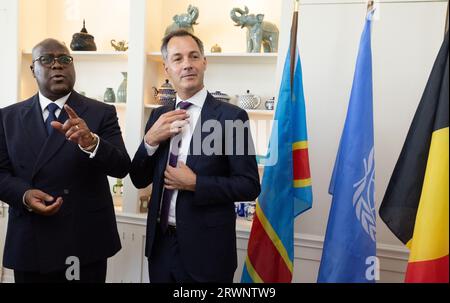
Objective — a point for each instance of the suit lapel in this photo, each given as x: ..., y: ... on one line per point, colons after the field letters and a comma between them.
x: 56, y: 140
x: 33, y: 125
x: 209, y: 111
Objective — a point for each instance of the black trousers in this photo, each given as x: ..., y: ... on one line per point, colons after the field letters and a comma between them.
x: 89, y: 273
x: 165, y: 264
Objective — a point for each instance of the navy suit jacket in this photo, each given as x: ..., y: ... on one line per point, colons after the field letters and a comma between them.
x: 206, y: 219
x: 85, y: 226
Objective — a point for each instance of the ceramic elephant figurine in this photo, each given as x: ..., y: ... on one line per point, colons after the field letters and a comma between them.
x: 259, y: 32
x: 184, y: 21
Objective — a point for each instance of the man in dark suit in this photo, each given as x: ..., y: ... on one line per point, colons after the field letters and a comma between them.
x: 56, y: 150
x: 197, y: 169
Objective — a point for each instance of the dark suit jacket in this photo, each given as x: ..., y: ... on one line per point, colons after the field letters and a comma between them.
x: 206, y: 219
x: 85, y: 225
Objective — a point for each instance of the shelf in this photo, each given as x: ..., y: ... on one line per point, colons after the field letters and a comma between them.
x: 94, y: 56
x: 152, y: 106
x: 229, y: 58
x: 256, y: 112
x: 118, y: 105
x: 260, y: 112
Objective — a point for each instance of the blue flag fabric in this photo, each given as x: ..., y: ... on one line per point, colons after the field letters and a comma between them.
x: 286, y: 189
x: 350, y: 242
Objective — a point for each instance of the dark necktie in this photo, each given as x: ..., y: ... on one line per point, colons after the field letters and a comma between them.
x: 173, y: 159
x: 52, y: 107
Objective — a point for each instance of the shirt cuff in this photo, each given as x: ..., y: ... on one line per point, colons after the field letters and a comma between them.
x: 25, y: 203
x: 94, y: 152
x: 151, y: 150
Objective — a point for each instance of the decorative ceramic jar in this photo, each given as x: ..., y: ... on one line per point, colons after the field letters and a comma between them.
x: 122, y: 90
x: 109, y: 95
x: 82, y: 41
x: 216, y: 48
x: 270, y: 104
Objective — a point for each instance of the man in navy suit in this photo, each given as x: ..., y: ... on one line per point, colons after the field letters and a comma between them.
x: 197, y: 170
x: 56, y: 150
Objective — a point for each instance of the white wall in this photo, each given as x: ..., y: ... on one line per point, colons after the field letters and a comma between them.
x: 9, y: 59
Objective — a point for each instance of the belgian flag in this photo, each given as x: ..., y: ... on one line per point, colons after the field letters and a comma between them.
x: 416, y: 204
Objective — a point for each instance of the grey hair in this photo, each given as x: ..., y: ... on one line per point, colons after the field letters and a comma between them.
x: 179, y: 33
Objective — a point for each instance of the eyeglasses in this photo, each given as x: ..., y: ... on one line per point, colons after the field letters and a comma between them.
x: 49, y: 60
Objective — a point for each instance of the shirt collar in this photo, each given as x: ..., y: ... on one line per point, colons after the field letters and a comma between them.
x: 44, y: 101
x: 198, y: 99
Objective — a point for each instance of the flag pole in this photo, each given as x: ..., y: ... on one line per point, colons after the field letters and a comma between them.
x: 294, y: 39
x: 446, y: 20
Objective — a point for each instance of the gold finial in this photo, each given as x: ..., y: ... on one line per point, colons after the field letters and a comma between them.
x: 296, y: 5
x: 370, y: 5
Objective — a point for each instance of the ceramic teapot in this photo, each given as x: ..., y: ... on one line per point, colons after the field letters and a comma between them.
x: 120, y: 46
x: 248, y: 101
x: 221, y: 96
x: 165, y: 94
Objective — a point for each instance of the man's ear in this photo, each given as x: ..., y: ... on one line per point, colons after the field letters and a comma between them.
x: 32, y: 70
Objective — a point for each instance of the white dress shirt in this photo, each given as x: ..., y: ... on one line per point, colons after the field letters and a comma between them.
x: 198, y: 100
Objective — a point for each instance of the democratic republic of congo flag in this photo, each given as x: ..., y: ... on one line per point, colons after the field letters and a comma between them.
x: 415, y: 206
x: 286, y: 186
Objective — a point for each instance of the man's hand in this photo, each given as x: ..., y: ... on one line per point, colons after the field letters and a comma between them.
x: 75, y: 129
x: 180, y: 178
x: 35, y: 199
x: 167, y: 126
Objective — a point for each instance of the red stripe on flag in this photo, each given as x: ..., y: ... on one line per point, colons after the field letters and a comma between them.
x: 301, y: 164
x: 432, y: 271
x: 265, y: 258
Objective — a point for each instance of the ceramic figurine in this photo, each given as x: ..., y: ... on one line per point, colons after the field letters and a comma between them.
x: 259, y: 32
x: 83, y: 41
x: 184, y: 21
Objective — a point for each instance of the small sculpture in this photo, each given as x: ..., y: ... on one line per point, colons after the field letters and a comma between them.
x: 121, y: 46
x: 259, y: 32
x: 82, y: 41
x: 184, y: 21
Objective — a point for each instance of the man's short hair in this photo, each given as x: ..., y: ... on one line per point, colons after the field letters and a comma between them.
x: 179, y: 33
